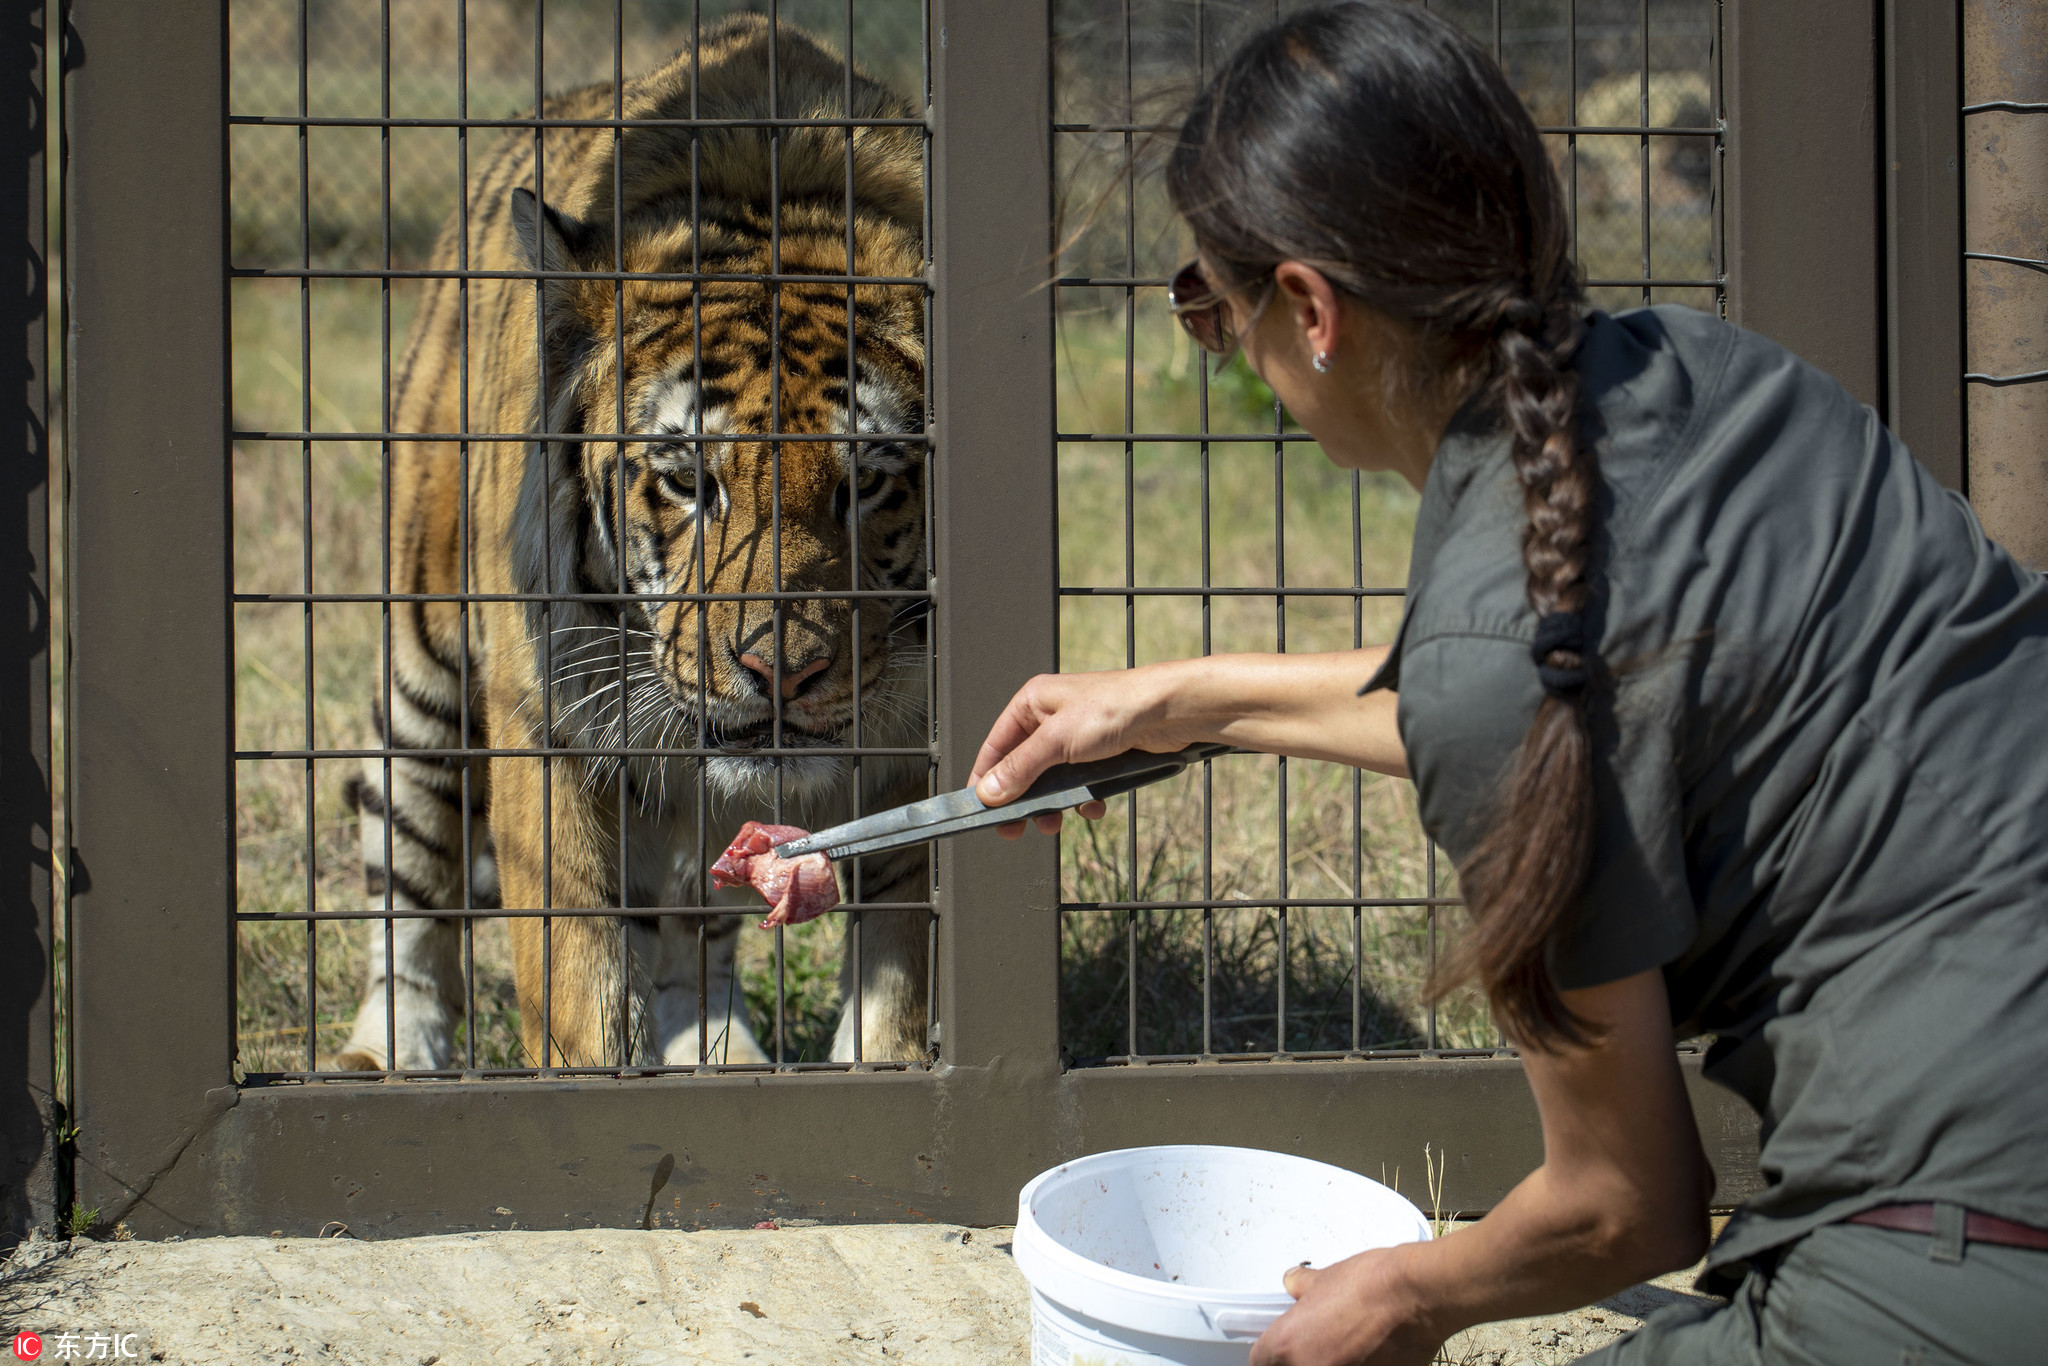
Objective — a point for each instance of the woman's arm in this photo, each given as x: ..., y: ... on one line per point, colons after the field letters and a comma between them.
x: 1621, y: 1196
x: 1303, y: 705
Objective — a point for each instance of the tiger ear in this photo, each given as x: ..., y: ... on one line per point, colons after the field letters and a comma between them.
x: 544, y: 235
x: 549, y: 241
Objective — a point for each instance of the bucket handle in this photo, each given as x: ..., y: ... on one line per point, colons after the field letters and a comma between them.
x: 1243, y: 1324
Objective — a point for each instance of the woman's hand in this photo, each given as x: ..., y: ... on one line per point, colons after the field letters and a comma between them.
x: 1303, y: 705
x: 1360, y: 1310
x: 1071, y: 719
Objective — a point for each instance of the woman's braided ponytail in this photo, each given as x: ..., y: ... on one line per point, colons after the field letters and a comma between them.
x: 1378, y: 144
x: 1527, y: 873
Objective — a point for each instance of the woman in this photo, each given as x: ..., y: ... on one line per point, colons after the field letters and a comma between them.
x: 1727, y: 711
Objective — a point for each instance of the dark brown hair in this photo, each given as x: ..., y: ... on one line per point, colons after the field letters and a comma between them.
x: 1378, y: 144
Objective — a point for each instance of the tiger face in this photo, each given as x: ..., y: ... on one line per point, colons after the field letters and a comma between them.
x: 697, y: 502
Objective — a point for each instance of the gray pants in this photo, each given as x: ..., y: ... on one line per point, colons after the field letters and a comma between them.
x: 1849, y: 1295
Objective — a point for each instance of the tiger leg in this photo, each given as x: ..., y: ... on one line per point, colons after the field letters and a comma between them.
x: 672, y: 1002
x: 894, y: 956
x: 412, y: 851
x: 577, y: 1000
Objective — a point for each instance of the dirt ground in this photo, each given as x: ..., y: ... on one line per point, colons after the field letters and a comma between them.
x: 807, y: 1296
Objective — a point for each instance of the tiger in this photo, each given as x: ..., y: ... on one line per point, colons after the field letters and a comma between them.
x: 561, y: 517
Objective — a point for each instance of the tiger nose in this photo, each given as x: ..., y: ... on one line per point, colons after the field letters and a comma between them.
x: 790, y: 681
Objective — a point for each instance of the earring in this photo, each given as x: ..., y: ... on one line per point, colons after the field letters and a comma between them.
x: 1321, y: 361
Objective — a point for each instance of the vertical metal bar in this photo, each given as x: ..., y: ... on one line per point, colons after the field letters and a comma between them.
x: 619, y: 288
x: 1357, y: 776
x: 468, y: 813
x: 306, y: 564
x: 1280, y: 646
x: 854, y: 558
x: 547, y: 560
x: 931, y: 619
x: 1717, y: 171
x: 55, y: 146
x: 1201, y: 361
x: 1643, y: 23
x: 703, y: 862
x: 774, y: 291
x: 1571, y: 119
x: 1130, y: 518
x: 32, y: 974
x: 1429, y: 881
x: 384, y: 526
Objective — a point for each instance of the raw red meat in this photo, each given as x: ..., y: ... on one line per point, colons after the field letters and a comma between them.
x: 796, y: 889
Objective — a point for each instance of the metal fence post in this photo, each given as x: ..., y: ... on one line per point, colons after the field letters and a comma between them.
x: 1923, y: 239
x: 1805, y: 257
x: 992, y: 388
x: 28, y: 1099
x: 147, y: 556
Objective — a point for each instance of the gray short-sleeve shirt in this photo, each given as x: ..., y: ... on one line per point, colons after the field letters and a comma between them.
x: 1820, y: 722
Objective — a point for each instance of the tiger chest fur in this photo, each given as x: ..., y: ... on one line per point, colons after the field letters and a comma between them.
x: 569, y: 542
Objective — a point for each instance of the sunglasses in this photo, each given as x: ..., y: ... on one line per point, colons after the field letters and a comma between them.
x: 1199, y: 307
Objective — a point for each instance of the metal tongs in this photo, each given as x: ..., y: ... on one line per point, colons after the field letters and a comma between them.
x: 1058, y: 788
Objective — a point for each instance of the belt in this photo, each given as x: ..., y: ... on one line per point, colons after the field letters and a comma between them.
x: 1977, y: 1228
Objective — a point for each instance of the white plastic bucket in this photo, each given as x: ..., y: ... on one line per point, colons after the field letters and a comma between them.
x: 1173, y: 1256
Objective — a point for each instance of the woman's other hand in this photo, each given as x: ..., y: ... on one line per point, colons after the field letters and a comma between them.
x: 1358, y: 1311
x: 1621, y: 1196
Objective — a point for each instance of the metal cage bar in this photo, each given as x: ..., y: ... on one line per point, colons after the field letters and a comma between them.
x: 1115, y: 274
x: 552, y: 749
x: 33, y: 1102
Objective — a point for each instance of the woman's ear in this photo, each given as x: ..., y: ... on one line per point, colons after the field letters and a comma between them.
x: 1311, y: 303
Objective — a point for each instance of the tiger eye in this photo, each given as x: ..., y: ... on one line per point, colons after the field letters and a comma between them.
x: 680, y: 484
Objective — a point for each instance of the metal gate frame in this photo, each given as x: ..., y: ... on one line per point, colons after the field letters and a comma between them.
x: 31, y: 1117
x: 170, y: 1144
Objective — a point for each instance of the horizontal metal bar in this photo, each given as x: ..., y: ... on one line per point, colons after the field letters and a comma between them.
x: 1183, y: 438
x: 790, y: 595
x: 1198, y: 592
x: 673, y: 276
x: 588, y: 752
x: 338, y: 121
x: 1638, y: 130
x: 1702, y: 130
x: 617, y: 1073
x: 1161, y: 281
x: 1657, y: 282
x: 2031, y: 262
x: 2007, y: 107
x: 1255, y: 903
x: 2000, y: 381
x: 379, y: 914
x: 1226, y: 1059
x: 663, y: 438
